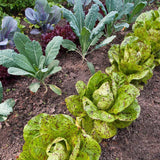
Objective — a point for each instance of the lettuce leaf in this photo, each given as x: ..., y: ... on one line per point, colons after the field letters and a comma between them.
x: 57, y: 137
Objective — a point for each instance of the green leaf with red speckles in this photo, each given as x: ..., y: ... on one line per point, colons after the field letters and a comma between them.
x: 94, y: 113
x: 75, y: 106
x: 126, y: 96
x: 104, y: 129
x: 57, y: 137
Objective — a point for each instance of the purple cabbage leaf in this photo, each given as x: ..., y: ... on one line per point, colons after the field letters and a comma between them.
x: 43, y: 15
x: 8, y: 28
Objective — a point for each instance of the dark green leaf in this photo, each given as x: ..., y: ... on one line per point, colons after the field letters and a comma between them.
x: 69, y: 45
x: 91, y: 17
x: 33, y: 52
x: 91, y: 67
x: 18, y: 71
x: 34, y: 87
x: 105, y: 42
x: 52, y: 49
x: 79, y: 14
x: 20, y: 40
x: 6, y: 58
x: 106, y: 20
x: 85, y: 40
x: 23, y: 63
x: 69, y: 16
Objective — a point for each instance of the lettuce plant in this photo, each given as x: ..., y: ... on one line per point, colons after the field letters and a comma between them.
x: 106, y: 103
x: 84, y: 27
x: 6, y: 106
x: 147, y: 28
x: 8, y: 28
x: 31, y: 60
x: 43, y: 15
x: 133, y: 58
x: 129, y: 9
x: 57, y: 138
x: 66, y: 32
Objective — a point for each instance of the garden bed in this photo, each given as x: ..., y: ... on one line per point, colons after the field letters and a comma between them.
x: 140, y: 141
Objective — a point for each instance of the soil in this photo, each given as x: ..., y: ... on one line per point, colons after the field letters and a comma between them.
x: 140, y: 141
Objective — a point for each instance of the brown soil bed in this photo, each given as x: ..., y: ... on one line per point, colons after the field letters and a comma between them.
x: 140, y: 141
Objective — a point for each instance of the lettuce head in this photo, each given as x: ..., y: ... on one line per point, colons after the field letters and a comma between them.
x: 57, y: 138
x: 106, y: 103
x: 133, y: 58
x: 147, y: 28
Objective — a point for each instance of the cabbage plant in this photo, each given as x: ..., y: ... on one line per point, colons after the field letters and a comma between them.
x: 43, y: 15
x: 133, y: 58
x: 8, y: 28
x: 31, y: 60
x: 84, y: 27
x: 57, y: 138
x: 128, y: 10
x: 147, y: 28
x: 6, y: 107
x: 106, y: 103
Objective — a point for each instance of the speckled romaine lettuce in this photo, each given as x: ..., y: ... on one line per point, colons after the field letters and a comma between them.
x: 133, y: 58
x: 147, y: 28
x: 57, y: 138
x: 106, y: 103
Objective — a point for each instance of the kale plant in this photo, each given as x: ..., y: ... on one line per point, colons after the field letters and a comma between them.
x: 6, y: 106
x: 31, y: 60
x: 84, y: 27
x: 43, y: 15
x: 8, y: 28
x: 106, y: 103
x: 84, y: 2
x: 127, y: 10
x: 57, y: 138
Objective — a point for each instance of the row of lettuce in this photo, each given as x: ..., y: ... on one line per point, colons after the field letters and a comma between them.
x: 106, y: 103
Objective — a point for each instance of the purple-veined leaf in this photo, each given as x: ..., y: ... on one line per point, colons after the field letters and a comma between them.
x: 9, y: 27
x: 9, y: 23
x: 31, y: 15
x: 44, y: 4
x: 42, y: 15
x: 55, y: 15
x: 4, y: 42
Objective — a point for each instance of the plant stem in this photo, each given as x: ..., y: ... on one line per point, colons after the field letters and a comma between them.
x: 83, y: 57
x: 45, y: 87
